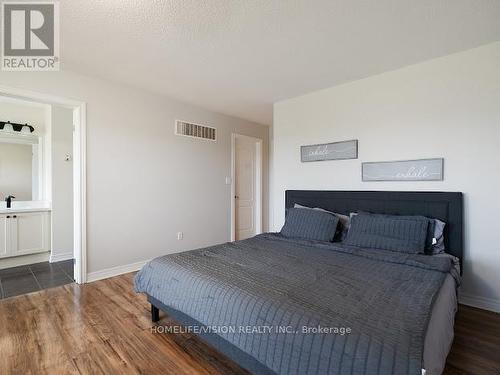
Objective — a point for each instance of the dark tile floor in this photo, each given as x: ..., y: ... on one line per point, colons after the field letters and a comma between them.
x: 31, y: 278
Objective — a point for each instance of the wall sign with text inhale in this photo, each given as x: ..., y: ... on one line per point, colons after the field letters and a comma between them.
x: 330, y: 151
x: 406, y: 170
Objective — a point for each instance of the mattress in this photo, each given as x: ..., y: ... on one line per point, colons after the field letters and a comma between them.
x: 440, y: 332
x: 386, y: 299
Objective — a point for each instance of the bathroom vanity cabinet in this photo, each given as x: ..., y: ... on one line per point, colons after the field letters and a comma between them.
x: 24, y: 232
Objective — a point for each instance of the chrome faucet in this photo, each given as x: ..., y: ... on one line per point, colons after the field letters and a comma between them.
x: 9, y: 200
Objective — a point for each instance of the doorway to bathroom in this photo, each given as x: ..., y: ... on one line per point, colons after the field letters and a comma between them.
x: 42, y: 195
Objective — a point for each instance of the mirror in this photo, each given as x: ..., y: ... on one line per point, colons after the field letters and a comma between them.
x: 22, y: 138
x: 19, y: 168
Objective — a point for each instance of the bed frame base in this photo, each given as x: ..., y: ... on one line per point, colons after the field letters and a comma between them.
x: 238, y: 356
x: 155, y: 313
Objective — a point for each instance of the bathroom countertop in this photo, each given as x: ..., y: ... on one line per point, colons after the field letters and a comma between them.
x: 18, y: 210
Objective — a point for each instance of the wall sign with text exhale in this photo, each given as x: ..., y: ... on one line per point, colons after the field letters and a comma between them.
x: 330, y: 151
x: 406, y: 170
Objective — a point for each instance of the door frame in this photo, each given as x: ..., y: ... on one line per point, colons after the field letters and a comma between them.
x: 79, y: 169
x: 258, y: 183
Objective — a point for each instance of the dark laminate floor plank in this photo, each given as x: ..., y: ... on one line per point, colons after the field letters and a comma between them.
x: 476, y: 348
x: 105, y: 328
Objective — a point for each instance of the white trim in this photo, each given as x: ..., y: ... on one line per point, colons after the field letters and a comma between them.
x: 80, y: 171
x: 46, y: 157
x: 18, y: 138
x: 80, y: 192
x: 258, y: 181
x: 39, y: 97
x: 115, y: 271
x: 233, y: 189
x: 480, y: 302
x: 60, y: 257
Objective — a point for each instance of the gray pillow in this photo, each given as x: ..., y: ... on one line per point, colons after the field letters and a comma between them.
x: 406, y: 234
x: 310, y: 224
x: 434, y: 243
x: 342, y: 227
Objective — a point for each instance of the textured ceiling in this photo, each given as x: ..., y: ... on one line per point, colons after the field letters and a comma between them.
x: 239, y: 57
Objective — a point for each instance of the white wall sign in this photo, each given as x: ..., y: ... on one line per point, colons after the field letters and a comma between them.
x: 407, y: 170
x: 330, y: 151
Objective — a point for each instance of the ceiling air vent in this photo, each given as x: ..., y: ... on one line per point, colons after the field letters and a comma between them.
x: 189, y: 129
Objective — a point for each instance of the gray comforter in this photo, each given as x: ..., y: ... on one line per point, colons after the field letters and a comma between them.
x: 303, y: 307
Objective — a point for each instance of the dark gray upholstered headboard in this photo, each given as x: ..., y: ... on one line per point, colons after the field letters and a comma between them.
x: 445, y: 206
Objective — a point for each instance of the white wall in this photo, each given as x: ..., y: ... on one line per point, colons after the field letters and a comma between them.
x: 62, y: 183
x: 144, y: 184
x: 22, y: 112
x: 448, y: 107
x: 15, y: 170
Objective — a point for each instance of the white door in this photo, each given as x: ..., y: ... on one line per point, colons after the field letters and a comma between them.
x: 3, y: 236
x: 245, y: 163
x: 30, y: 233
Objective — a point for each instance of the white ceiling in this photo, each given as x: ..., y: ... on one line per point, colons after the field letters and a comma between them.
x: 239, y: 57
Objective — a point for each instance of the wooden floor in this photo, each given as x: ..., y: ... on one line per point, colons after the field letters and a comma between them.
x: 105, y: 328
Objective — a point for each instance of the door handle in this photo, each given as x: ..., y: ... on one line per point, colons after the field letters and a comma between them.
x: 236, y: 197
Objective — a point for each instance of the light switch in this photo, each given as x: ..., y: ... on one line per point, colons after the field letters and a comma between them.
x: 228, y: 180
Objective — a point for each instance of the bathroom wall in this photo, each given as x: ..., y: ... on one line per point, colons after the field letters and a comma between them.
x: 62, y: 183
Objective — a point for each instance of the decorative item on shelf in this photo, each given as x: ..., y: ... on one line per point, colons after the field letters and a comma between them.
x: 13, y: 127
x: 329, y: 151
x: 405, y: 170
x: 8, y: 127
x: 25, y: 129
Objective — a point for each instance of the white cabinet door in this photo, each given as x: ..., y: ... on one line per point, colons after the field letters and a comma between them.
x: 4, y: 234
x: 30, y: 233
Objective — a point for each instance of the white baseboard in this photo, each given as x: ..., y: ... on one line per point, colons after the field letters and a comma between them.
x: 115, y: 271
x: 480, y: 302
x: 60, y: 257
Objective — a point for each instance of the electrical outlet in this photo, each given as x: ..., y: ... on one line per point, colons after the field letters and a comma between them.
x: 180, y: 236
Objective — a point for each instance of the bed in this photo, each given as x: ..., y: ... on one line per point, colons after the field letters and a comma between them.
x: 281, y: 305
